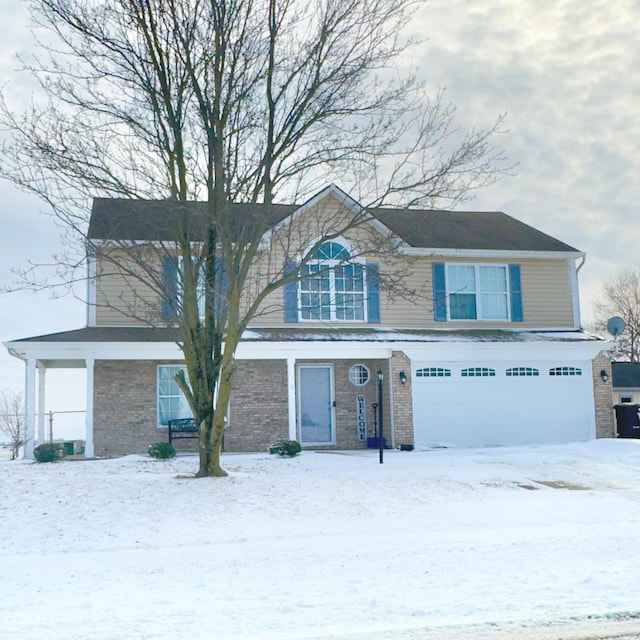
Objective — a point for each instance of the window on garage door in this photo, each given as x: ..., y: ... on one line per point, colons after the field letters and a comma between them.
x: 478, y: 372
x: 519, y: 372
x: 433, y: 372
x: 565, y: 371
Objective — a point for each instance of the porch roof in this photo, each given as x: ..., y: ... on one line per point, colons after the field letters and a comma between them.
x: 314, y: 334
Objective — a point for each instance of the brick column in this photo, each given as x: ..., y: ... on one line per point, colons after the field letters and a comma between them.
x: 402, y: 399
x: 603, y: 397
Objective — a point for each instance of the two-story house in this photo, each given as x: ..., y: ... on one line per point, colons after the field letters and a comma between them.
x: 490, y: 353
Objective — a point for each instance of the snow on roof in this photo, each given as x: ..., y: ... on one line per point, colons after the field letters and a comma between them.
x: 322, y: 334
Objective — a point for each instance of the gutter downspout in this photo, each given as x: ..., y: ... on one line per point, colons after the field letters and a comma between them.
x: 577, y: 321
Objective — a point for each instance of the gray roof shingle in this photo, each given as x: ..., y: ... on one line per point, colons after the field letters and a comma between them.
x: 315, y: 334
x: 148, y: 220
x: 625, y: 375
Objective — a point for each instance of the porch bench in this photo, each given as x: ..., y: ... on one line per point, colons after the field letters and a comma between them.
x: 182, y: 428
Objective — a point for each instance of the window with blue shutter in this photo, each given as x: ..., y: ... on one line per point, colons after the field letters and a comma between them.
x: 477, y: 292
x: 330, y: 287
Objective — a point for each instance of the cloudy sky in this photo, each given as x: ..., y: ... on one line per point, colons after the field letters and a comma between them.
x: 566, y: 73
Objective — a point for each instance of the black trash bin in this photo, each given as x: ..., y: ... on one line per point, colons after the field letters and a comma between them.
x: 628, y: 420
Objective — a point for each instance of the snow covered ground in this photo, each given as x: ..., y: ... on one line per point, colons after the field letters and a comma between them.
x: 531, y: 542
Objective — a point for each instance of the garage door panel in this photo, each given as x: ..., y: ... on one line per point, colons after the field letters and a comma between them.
x: 501, y: 409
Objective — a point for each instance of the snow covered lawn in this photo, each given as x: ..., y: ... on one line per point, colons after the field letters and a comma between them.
x: 481, y: 543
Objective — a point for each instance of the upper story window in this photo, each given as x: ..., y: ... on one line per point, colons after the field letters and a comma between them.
x: 477, y: 292
x: 490, y: 292
x: 331, y: 288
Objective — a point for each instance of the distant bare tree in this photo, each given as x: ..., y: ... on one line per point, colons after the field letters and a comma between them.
x: 621, y: 297
x: 12, y: 420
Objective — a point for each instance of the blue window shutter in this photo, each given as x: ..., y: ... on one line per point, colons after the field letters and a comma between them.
x: 515, y: 285
x: 290, y: 294
x: 373, y: 288
x: 439, y: 293
x: 169, y: 287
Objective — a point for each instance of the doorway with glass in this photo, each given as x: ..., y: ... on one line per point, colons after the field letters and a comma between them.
x: 315, y: 405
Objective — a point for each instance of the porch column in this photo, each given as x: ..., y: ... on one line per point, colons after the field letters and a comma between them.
x: 41, y: 406
x: 401, y: 398
x: 29, y: 408
x: 291, y: 397
x: 88, y: 447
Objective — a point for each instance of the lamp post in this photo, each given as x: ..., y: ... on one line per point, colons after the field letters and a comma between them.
x: 381, y: 429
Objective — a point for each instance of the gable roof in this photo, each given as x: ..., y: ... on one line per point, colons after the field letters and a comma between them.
x: 625, y: 375
x: 491, y: 230
x: 149, y: 220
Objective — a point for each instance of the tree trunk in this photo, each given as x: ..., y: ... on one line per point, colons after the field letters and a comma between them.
x: 210, y: 447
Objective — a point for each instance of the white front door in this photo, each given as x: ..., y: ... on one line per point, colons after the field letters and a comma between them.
x: 315, y: 404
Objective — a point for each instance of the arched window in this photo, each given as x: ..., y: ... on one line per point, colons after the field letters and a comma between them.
x: 331, y: 287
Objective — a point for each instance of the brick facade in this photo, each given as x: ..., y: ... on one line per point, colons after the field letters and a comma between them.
x: 402, y: 399
x: 346, y: 407
x: 259, y: 411
x: 126, y: 414
x: 346, y: 401
x: 125, y: 407
x: 125, y: 404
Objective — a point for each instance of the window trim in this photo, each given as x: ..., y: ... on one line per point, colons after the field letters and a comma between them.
x: 332, y: 266
x: 478, y: 292
x: 360, y: 368
x: 158, y: 412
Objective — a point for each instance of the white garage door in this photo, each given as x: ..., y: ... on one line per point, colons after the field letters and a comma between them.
x: 480, y: 404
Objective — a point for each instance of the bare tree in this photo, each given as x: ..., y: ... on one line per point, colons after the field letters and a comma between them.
x: 227, y: 102
x: 621, y: 297
x: 12, y: 420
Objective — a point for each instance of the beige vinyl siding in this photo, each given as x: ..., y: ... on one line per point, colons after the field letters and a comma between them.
x: 321, y: 220
x: 546, y: 295
x: 122, y: 299
x: 546, y: 283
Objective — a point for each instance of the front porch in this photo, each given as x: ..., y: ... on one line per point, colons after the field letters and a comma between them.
x: 271, y: 391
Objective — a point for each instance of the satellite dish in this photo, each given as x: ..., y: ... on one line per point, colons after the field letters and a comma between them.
x: 615, y: 326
